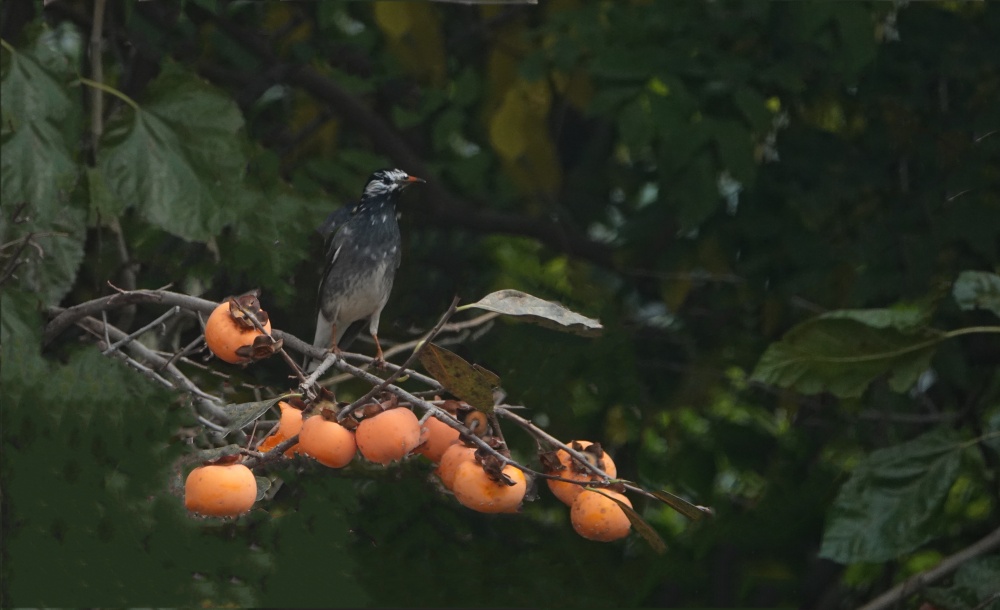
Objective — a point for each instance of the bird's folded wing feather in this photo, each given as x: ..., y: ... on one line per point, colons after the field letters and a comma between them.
x: 333, y: 239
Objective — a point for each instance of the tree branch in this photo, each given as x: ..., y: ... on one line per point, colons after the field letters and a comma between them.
x: 948, y: 565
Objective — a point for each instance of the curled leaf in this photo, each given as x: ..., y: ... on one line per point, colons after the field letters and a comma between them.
x: 545, y: 313
x: 679, y: 504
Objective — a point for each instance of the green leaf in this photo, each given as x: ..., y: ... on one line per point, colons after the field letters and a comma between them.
x: 29, y: 92
x: 104, y: 205
x: 753, y: 106
x: 263, y: 486
x: 179, y: 158
x: 679, y: 504
x: 980, y: 575
x: 43, y: 234
x: 37, y: 168
x: 734, y: 147
x: 977, y: 290
x: 843, y: 351
x: 545, y: 313
x: 904, y: 317
x: 695, y: 191
x: 470, y: 383
x: 894, y: 499
x: 973, y: 586
x: 246, y: 412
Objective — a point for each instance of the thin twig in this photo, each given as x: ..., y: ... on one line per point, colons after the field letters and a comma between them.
x: 409, y: 361
x: 130, y: 337
x: 458, y: 327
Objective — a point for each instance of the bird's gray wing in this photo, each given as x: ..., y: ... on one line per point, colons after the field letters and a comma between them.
x: 333, y: 238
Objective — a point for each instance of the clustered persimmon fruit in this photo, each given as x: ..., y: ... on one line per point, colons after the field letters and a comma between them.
x: 232, y: 335
x: 452, y: 458
x: 570, y: 468
x: 388, y: 435
x: 435, y: 438
x: 593, y: 513
x: 489, y: 488
x: 223, y: 488
x: 385, y: 432
x: 327, y: 441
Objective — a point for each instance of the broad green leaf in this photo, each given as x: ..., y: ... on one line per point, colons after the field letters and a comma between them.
x: 904, y: 317
x: 694, y: 190
x: 104, y: 205
x: 179, y: 158
x: 37, y: 169
x: 29, y: 92
x: 894, y: 499
x: 542, y: 312
x: 977, y: 290
x: 244, y: 413
x: 843, y: 351
x: 734, y: 146
x: 42, y: 233
x: 973, y: 586
x: 468, y: 382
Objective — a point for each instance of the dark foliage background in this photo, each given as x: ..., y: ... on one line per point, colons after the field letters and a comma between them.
x: 785, y: 214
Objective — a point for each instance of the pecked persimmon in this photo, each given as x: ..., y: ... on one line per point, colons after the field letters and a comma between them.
x: 436, y: 437
x: 220, y: 490
x: 475, y: 489
x: 289, y: 425
x: 225, y: 333
x: 327, y: 442
x: 597, y: 517
x: 567, y: 492
x: 453, y: 457
x: 388, y: 436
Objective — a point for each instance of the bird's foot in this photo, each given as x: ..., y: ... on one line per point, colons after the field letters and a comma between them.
x: 379, y: 361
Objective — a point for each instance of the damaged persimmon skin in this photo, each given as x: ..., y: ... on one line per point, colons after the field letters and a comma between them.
x: 232, y: 336
x: 288, y: 426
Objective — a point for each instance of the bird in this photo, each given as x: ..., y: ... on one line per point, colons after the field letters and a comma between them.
x: 362, y: 248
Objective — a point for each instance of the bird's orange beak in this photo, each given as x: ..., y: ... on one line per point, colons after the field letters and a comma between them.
x: 414, y: 180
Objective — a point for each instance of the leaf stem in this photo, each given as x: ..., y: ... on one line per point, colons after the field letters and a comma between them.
x: 909, y: 348
x: 107, y: 89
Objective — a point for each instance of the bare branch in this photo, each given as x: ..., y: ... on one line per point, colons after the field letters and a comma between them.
x: 911, y: 585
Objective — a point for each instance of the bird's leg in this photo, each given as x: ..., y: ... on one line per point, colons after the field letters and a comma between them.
x: 379, y: 361
x: 333, y: 340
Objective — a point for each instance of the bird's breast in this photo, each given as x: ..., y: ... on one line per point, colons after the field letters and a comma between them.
x: 356, y: 296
